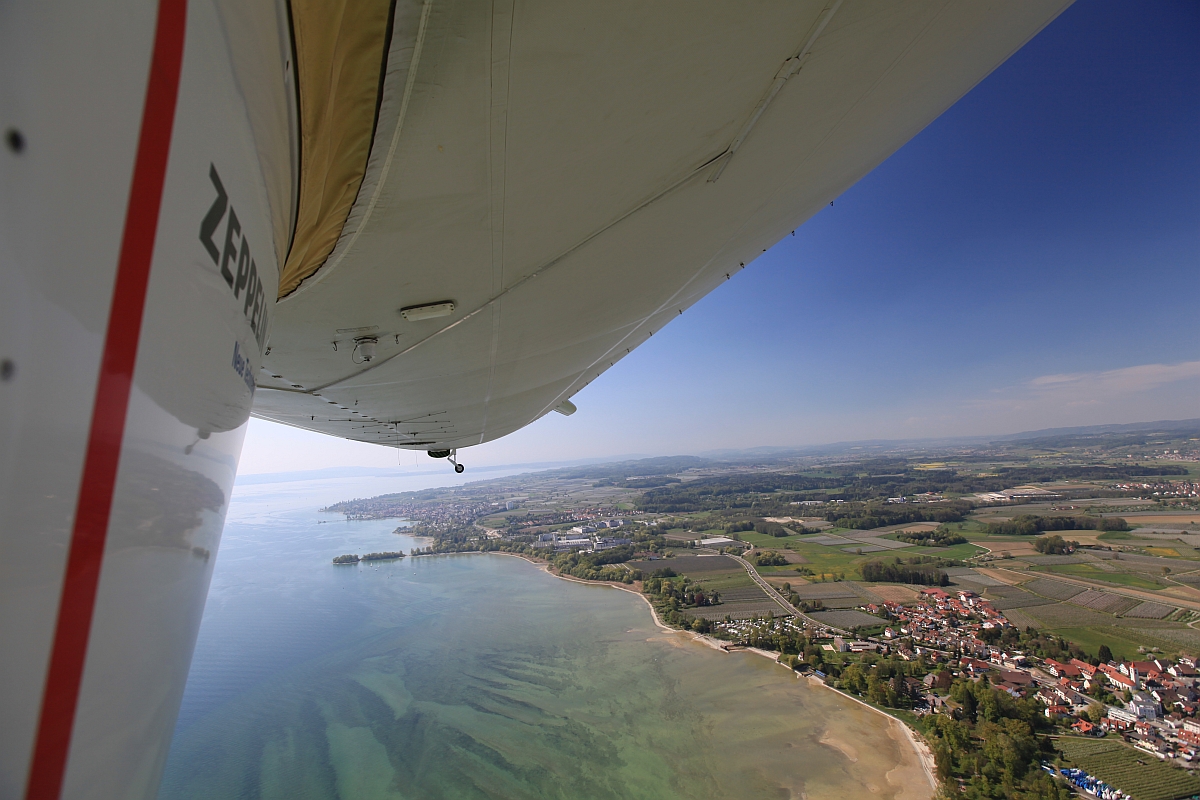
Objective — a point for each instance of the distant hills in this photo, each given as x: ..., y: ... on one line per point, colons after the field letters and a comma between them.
x: 1173, y: 426
x: 633, y: 466
x: 430, y: 468
x: 1048, y: 436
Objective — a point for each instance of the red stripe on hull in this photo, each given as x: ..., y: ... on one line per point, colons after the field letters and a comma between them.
x: 82, y: 577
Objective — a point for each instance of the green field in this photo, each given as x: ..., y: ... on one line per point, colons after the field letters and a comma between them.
x: 723, y: 581
x: 822, y: 559
x: 768, y: 542
x: 1136, y: 773
x: 788, y: 572
x: 1123, y: 646
x: 825, y: 559
x: 1093, y: 573
x: 957, y: 551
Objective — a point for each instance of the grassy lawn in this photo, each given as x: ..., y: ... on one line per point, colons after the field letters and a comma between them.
x: 768, y: 542
x: 827, y: 560
x: 1095, y: 574
x: 724, y: 581
x: 957, y: 551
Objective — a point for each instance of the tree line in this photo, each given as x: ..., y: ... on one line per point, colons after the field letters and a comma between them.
x: 1054, y: 545
x: 942, y: 536
x: 876, y: 515
x: 916, y: 570
x: 864, y: 481
x: 598, y: 566
x: 1032, y: 524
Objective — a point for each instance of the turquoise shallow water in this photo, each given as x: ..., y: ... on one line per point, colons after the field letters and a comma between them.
x: 480, y: 676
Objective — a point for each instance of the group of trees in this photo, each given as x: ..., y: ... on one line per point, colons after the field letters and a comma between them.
x: 351, y: 558
x: 671, y: 595
x: 769, y: 558
x: 1031, y: 525
x: 942, y: 536
x: 680, y: 593
x: 599, y: 566
x: 758, y: 526
x: 385, y: 556
x: 731, y: 492
x: 918, y: 569
x: 883, y: 680
x: 994, y: 748
x: 800, y: 603
x: 1054, y: 545
x: 877, y: 515
x: 771, y: 529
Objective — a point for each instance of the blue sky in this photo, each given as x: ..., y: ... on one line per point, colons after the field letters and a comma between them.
x: 1030, y: 260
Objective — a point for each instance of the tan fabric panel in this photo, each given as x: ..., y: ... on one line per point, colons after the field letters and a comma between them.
x: 339, y: 50
x: 261, y: 57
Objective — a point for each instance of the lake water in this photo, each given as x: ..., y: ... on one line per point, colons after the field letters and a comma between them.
x: 481, y: 676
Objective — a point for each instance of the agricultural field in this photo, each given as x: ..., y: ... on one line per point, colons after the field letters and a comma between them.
x: 690, y: 565
x: 1092, y: 617
x: 820, y: 559
x: 824, y: 591
x: 1092, y: 572
x: 1002, y: 546
x: 1184, y: 519
x: 738, y: 603
x: 1020, y: 619
x: 1124, y: 644
x: 1057, y: 615
x: 1055, y: 590
x: 971, y: 575
x: 1112, y: 603
x: 846, y: 618
x: 1094, y: 607
x: 867, y: 592
x: 1148, y: 610
x: 1014, y: 598
x: 894, y: 594
x: 957, y: 551
x: 1138, y: 774
x: 766, y: 542
x: 741, y: 597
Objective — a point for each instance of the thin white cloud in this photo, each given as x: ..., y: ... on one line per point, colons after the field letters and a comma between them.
x: 1128, y: 394
x: 1116, y: 381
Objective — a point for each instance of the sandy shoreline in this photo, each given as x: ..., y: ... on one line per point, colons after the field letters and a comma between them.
x: 901, y: 777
